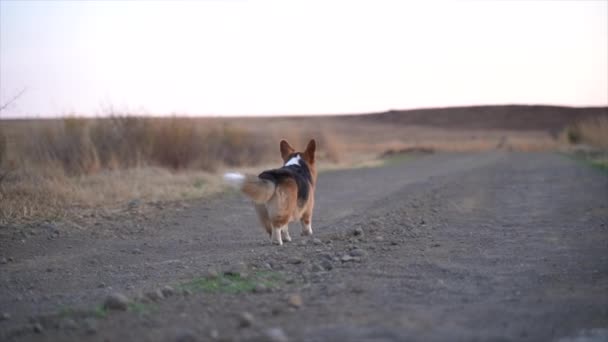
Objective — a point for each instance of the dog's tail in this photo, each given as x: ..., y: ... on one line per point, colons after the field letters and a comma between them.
x: 259, y: 190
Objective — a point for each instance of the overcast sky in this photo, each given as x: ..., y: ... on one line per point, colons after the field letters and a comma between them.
x: 299, y: 57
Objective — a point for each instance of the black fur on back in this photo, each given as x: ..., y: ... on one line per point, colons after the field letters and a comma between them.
x: 300, y: 173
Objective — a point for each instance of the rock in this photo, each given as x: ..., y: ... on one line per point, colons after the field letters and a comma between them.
x: 3, y: 261
x: 358, y: 231
x: 394, y: 243
x: 295, y: 260
x: 155, y: 295
x: 90, y: 326
x: 239, y: 269
x: 68, y: 324
x: 10, y: 259
x: 327, y: 256
x: 136, y: 251
x: 211, y: 273
x: 214, y: 334
x: 37, y: 327
x: 317, y: 241
x: 5, y: 316
x: 168, y: 291
x: 317, y: 268
x: 186, y: 292
x: 357, y: 253
x: 245, y: 320
x: 185, y: 335
x: 260, y: 288
x: 327, y: 265
x: 294, y: 300
x: 379, y: 238
x: 276, y: 335
x: 346, y: 258
x: 116, y: 301
x: 134, y: 203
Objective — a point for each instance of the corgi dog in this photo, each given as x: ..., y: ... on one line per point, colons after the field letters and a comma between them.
x: 282, y: 195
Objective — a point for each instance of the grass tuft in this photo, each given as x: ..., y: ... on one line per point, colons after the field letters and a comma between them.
x: 229, y: 283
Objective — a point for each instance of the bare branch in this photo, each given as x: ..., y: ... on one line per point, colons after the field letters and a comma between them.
x: 13, y: 99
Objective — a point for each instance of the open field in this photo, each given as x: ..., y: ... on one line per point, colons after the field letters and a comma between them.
x: 432, y: 226
x: 53, y: 168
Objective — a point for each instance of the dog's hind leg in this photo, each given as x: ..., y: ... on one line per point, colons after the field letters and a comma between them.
x: 279, y: 223
x: 276, y: 236
x: 306, y: 224
x: 285, y: 233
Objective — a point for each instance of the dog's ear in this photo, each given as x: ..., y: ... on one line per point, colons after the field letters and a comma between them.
x: 309, y: 154
x: 286, y: 150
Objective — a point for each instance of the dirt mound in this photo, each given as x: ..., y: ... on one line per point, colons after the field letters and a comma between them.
x: 509, y: 117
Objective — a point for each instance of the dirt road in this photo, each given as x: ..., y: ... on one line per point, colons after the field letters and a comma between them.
x: 448, y: 247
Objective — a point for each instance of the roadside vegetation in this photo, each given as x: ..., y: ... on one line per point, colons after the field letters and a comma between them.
x: 54, y: 168
x: 589, y: 141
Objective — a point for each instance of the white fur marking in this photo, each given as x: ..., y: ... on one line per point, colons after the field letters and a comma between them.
x: 285, y: 233
x: 294, y: 161
x: 275, y: 237
x: 234, y: 179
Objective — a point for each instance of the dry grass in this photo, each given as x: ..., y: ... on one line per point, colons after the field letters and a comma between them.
x: 591, y: 131
x: 54, y: 168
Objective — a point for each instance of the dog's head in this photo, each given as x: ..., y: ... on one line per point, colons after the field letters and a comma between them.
x: 291, y: 157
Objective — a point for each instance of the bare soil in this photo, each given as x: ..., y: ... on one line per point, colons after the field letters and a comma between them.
x: 446, y: 247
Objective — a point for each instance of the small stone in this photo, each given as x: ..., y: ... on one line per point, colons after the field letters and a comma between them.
x: 10, y: 259
x: 358, y: 231
x: 101, y: 285
x: 136, y: 251
x: 186, y: 292
x: 90, y: 326
x: 276, y: 335
x: 260, y: 288
x: 5, y: 316
x: 327, y: 265
x: 214, y: 334
x: 239, y: 269
x: 3, y: 261
x: 116, y: 301
x: 168, y: 291
x: 134, y: 203
x: 357, y: 253
x: 317, y: 241
x: 155, y: 295
x: 317, y: 268
x: 346, y: 258
x: 294, y: 300
x: 295, y: 260
x: 379, y: 238
x: 185, y: 335
x: 245, y: 320
x: 211, y: 273
x: 68, y: 324
x: 37, y: 327
x: 394, y: 243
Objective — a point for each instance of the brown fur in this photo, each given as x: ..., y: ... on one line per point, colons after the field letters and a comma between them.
x: 277, y: 205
